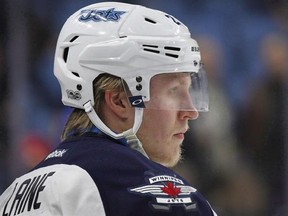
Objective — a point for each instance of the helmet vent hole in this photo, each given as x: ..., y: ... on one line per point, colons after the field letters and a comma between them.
x: 151, y: 48
x: 150, y: 20
x: 75, y: 74
x: 171, y: 55
x: 74, y: 38
x: 79, y: 87
x: 172, y: 48
x: 65, y: 54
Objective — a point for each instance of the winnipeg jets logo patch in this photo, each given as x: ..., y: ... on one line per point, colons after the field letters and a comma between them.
x: 168, y: 191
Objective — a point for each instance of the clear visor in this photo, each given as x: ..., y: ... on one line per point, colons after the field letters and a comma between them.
x: 185, y: 91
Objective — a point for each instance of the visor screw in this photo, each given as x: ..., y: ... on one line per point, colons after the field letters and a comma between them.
x: 139, y: 87
x: 139, y: 79
x: 79, y: 87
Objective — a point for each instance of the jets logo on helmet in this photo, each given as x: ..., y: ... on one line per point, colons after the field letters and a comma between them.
x: 100, y: 15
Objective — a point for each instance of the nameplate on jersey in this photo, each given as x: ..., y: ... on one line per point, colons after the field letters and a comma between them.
x: 25, y: 195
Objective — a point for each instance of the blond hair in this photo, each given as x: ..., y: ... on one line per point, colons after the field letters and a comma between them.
x: 78, y: 121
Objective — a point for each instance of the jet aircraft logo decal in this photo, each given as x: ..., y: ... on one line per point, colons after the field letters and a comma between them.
x: 168, y: 191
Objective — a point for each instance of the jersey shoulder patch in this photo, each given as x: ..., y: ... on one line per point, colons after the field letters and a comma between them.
x: 167, y: 191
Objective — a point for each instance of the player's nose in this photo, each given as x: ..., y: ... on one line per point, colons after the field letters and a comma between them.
x: 189, y: 115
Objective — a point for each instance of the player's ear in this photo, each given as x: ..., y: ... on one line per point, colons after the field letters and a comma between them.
x: 118, y: 103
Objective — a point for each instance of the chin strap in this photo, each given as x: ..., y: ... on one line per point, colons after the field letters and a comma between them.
x: 135, y: 143
x: 129, y: 135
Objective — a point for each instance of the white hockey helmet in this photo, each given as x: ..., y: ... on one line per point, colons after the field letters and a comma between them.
x: 132, y: 42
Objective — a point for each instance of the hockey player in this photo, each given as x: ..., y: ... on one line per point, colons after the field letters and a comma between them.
x: 135, y: 78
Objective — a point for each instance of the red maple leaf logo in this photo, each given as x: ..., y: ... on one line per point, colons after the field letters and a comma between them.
x: 171, y: 190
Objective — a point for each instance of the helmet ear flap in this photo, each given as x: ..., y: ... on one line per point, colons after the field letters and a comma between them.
x: 76, y: 87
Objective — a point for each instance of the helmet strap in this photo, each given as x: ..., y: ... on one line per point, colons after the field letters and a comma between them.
x: 129, y: 135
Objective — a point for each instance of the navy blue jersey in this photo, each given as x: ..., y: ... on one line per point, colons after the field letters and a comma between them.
x: 96, y: 175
